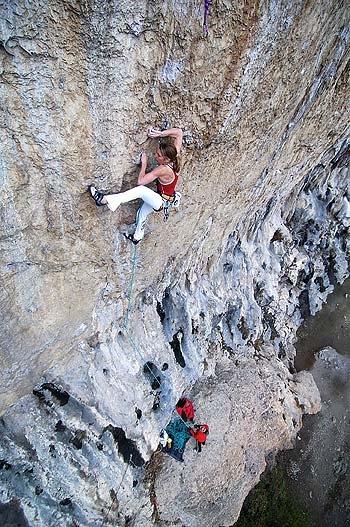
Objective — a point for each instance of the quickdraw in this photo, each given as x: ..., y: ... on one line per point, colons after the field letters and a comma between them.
x: 205, y: 23
x: 166, y: 205
x: 174, y: 201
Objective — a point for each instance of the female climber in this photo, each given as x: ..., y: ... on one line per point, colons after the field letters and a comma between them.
x: 165, y: 174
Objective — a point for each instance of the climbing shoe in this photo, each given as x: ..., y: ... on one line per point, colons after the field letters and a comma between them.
x: 96, y: 196
x: 131, y: 238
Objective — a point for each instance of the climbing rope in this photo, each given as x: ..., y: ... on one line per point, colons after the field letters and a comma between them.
x: 126, y: 322
x: 116, y: 493
x: 136, y: 348
x: 179, y: 416
x: 131, y: 340
x: 133, y: 343
x: 130, y: 289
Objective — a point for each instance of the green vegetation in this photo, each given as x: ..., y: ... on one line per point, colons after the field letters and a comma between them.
x: 272, y: 504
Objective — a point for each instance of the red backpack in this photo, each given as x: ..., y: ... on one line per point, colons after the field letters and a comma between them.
x: 185, y: 409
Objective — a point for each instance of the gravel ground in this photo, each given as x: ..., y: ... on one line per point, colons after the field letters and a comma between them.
x: 318, y: 468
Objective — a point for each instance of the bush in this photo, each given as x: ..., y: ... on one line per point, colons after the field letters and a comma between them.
x: 272, y: 504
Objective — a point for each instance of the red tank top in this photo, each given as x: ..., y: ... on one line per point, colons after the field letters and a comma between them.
x: 168, y: 189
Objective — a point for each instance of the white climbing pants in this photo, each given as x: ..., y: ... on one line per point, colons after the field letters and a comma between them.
x: 151, y: 201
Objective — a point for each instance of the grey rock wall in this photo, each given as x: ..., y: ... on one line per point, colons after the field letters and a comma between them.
x: 218, y: 292
x: 46, y: 152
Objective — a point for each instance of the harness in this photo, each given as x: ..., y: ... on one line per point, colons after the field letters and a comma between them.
x: 170, y: 199
x: 166, y: 205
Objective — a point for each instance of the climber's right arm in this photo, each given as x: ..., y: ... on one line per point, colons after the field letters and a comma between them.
x: 176, y: 133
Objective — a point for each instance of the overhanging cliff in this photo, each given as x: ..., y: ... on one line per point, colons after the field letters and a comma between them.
x: 261, y: 234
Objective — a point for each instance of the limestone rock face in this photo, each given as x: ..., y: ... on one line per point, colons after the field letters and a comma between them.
x: 209, y: 303
x: 253, y: 413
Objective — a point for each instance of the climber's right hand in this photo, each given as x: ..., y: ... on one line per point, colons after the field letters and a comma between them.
x: 153, y: 132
